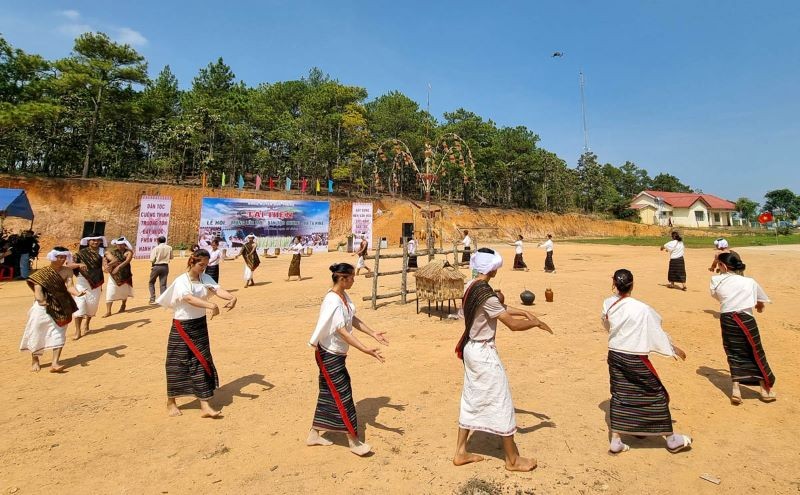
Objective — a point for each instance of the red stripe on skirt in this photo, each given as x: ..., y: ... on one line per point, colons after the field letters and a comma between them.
x: 192, y: 347
x: 646, y: 361
x: 767, y: 384
x: 335, y: 393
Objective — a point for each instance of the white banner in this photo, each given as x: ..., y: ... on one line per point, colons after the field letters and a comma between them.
x: 153, y: 222
x: 362, y: 222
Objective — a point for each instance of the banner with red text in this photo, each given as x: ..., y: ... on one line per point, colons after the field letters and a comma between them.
x: 273, y: 222
x: 362, y: 222
x: 153, y: 222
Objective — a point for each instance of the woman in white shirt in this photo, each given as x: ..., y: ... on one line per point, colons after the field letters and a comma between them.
x: 215, y: 257
x: 467, y: 242
x: 519, y: 263
x: 547, y: 245
x: 412, y: 253
x: 738, y: 295
x: 190, y: 366
x: 331, y: 339
x: 639, y: 401
x: 296, y: 248
x: 677, y: 266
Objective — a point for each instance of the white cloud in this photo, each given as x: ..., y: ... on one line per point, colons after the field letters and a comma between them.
x: 72, y: 15
x: 130, y: 36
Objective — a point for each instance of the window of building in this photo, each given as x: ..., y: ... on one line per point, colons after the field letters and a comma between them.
x: 700, y: 215
x: 716, y: 218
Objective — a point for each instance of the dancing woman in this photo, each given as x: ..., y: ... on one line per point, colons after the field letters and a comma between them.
x: 294, y: 267
x: 741, y: 339
x: 332, y: 338
x: 519, y: 263
x: 677, y: 266
x: 89, y: 280
x: 251, y: 259
x: 639, y: 401
x: 190, y: 366
x: 547, y: 245
x: 117, y: 263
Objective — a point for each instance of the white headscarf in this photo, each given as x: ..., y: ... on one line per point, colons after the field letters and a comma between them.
x: 85, y: 240
x: 122, y: 241
x: 484, y: 263
x: 721, y: 243
x: 250, y: 236
x: 56, y: 252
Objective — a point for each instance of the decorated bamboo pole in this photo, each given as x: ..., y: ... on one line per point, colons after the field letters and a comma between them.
x: 404, y: 275
x: 375, y: 277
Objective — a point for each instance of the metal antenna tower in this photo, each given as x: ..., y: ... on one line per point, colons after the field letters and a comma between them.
x: 583, y: 109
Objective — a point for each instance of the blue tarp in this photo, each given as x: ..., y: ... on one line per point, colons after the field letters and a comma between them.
x: 14, y: 203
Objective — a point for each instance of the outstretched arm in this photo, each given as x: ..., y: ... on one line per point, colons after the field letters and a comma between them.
x: 359, y: 324
x: 353, y: 341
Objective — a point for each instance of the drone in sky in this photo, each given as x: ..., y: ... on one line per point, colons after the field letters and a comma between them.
x: 558, y: 54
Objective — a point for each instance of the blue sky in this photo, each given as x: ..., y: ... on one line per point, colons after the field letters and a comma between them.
x: 704, y: 90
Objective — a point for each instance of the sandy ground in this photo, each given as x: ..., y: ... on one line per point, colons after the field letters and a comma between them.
x: 102, y: 426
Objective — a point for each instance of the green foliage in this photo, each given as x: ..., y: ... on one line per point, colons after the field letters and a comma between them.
x: 746, y: 208
x: 96, y: 113
x: 668, y: 183
x: 783, y: 199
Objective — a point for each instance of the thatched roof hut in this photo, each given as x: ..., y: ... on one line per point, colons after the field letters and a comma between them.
x: 439, y: 281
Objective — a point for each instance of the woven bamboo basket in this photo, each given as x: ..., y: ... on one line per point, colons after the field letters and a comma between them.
x: 438, y: 281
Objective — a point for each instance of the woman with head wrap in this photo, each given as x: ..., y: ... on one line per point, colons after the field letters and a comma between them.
x: 331, y: 340
x: 639, y: 401
x: 486, y: 403
x: 117, y: 262
x: 721, y: 246
x: 677, y: 265
x: 89, y: 280
x: 741, y: 339
x: 251, y: 260
x: 52, y: 309
x: 190, y: 366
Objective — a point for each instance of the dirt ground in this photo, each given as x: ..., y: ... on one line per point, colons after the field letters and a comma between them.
x: 102, y: 426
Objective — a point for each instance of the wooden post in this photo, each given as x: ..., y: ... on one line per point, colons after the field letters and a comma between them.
x: 456, y: 261
x: 404, y: 276
x: 375, y: 277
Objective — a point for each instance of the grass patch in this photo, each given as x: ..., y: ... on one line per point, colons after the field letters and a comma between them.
x: 735, y: 240
x: 477, y: 486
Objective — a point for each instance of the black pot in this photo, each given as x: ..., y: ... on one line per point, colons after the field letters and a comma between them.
x: 527, y: 297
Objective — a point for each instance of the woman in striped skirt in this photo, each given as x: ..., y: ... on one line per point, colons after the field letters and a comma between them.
x: 296, y: 248
x: 738, y: 295
x: 677, y: 266
x: 190, y: 366
x: 639, y: 401
x: 332, y: 338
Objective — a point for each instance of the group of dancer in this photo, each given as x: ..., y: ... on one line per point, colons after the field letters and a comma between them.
x: 639, y: 404
x: 519, y: 262
x: 58, y: 301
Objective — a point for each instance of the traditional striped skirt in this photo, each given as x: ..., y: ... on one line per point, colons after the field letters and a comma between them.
x: 213, y: 272
x: 186, y: 374
x: 639, y: 401
x: 294, y: 266
x: 549, y: 266
x: 742, y: 343
x: 677, y: 270
x: 466, y: 254
x: 335, y: 409
x: 518, y: 261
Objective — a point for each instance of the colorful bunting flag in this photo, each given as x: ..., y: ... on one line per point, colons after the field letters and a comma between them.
x: 241, y: 182
x: 317, y: 185
x: 271, y: 184
x: 258, y: 182
x: 288, y: 184
x: 330, y: 185
x: 203, y: 180
x: 223, y: 179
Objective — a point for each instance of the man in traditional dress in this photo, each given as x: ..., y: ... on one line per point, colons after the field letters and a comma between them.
x: 117, y: 262
x: 52, y: 309
x: 486, y: 403
x: 251, y: 259
x: 159, y: 261
x: 89, y: 280
x: 361, y: 252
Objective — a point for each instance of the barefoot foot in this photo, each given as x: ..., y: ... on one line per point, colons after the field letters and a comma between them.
x: 207, y: 411
x: 35, y: 367
x: 360, y: 448
x: 315, y: 438
x: 522, y: 464
x: 461, y: 459
x: 768, y: 396
x: 172, y: 410
x: 57, y: 368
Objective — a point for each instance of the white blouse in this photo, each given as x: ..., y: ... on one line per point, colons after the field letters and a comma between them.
x: 634, y: 327
x: 736, y: 293
x: 467, y: 241
x: 296, y: 248
x: 412, y: 246
x: 174, y: 297
x: 547, y: 245
x: 518, y: 248
x: 484, y: 325
x: 675, y: 248
x: 333, y: 315
x: 214, y: 257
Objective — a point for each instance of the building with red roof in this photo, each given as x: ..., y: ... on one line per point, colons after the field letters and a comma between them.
x: 683, y: 209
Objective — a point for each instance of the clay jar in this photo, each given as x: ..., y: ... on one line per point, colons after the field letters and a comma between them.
x: 527, y: 297
x: 548, y: 295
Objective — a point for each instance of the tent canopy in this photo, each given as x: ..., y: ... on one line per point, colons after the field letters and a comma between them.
x: 14, y: 203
